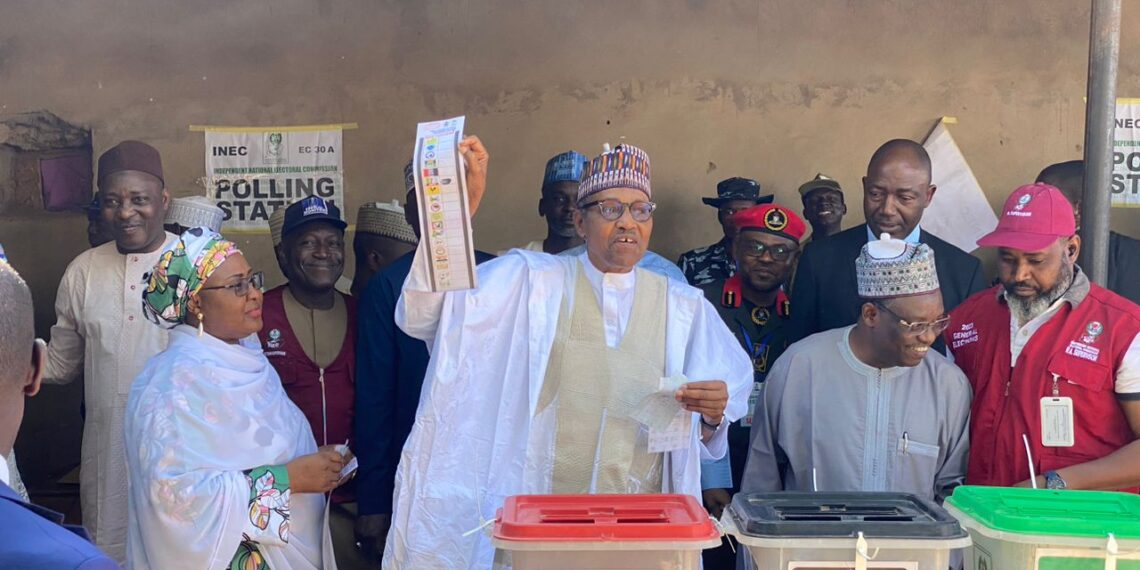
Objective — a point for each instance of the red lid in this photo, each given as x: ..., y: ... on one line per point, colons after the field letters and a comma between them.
x: 581, y: 518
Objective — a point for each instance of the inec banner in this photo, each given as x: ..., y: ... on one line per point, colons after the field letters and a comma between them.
x: 1126, y: 155
x: 250, y: 172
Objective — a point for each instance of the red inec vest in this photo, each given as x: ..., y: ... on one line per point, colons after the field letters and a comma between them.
x: 318, y: 393
x: 1083, y: 346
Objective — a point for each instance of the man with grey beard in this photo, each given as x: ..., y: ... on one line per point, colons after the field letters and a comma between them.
x: 1054, y: 359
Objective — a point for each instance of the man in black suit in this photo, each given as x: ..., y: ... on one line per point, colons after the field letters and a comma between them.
x: 1123, y: 251
x: 896, y: 190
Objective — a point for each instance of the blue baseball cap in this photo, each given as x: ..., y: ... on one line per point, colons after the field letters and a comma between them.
x: 311, y: 209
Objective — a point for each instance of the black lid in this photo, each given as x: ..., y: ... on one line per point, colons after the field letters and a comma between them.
x: 842, y: 515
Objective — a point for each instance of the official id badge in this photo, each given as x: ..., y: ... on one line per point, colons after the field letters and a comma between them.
x: 1057, y: 422
x: 753, y: 398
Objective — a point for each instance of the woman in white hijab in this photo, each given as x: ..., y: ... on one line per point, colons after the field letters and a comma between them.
x: 224, y: 470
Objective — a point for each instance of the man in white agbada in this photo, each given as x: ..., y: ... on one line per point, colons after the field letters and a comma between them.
x: 100, y: 329
x: 523, y: 367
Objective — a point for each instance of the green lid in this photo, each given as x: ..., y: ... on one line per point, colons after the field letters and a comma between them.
x: 1091, y: 514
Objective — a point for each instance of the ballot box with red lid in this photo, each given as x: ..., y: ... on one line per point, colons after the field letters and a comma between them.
x: 595, y: 532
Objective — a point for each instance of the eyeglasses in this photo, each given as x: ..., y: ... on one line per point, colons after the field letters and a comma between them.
x: 937, y: 326
x: 613, y: 209
x: 241, y: 288
x: 755, y: 250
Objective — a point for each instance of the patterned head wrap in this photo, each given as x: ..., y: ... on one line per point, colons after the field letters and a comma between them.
x: 180, y: 272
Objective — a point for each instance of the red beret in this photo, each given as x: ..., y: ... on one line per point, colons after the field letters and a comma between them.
x: 772, y: 219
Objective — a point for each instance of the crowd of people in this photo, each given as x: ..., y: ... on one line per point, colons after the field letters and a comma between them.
x: 223, y: 423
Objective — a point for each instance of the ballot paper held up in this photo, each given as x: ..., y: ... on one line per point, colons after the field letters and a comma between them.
x: 445, y: 215
x: 669, y: 424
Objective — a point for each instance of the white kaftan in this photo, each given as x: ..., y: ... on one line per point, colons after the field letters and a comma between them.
x: 476, y: 439
x: 100, y: 330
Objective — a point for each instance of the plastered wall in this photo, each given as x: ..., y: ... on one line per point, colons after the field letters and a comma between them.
x: 776, y: 90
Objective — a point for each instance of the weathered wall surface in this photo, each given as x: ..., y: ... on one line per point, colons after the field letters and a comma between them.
x: 772, y: 89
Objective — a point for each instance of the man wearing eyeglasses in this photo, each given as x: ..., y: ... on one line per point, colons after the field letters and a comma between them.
x: 754, y: 306
x: 710, y: 263
x: 1054, y: 359
x: 535, y: 375
x: 309, y: 336
x: 868, y: 407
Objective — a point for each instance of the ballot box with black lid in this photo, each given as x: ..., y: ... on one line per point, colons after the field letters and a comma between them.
x: 855, y: 531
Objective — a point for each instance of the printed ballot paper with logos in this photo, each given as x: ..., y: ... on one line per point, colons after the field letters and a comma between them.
x: 445, y: 215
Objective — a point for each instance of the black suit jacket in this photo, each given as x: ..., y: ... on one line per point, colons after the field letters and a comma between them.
x: 1124, y: 266
x: 825, y: 294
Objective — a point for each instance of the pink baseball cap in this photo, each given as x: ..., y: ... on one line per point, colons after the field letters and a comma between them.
x: 1033, y: 217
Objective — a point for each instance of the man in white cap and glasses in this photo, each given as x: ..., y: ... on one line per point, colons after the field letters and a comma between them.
x: 193, y: 212
x: 868, y: 407
x: 540, y: 367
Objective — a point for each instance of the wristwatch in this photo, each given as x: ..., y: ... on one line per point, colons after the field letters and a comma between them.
x: 711, y: 426
x: 1053, y: 480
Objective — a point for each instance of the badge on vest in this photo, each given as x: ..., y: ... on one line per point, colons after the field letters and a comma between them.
x: 760, y: 316
x: 274, y: 339
x: 1092, y: 331
x: 1057, y: 418
x: 1057, y: 422
x: 1083, y: 351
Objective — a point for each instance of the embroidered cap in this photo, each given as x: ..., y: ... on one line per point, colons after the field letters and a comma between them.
x: 888, y: 268
x: 626, y: 166
x: 384, y: 219
x: 1033, y: 217
x: 195, y: 211
x: 770, y: 218
x: 566, y: 167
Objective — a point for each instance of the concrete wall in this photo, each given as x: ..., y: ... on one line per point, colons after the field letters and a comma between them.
x: 772, y: 89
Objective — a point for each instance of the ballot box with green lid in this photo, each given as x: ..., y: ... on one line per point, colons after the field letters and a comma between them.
x: 1040, y: 529
x: 602, y: 532
x: 852, y: 531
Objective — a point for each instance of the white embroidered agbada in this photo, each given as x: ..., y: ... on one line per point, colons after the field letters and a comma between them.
x: 100, y: 330
x: 201, y: 414
x: 477, y: 440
